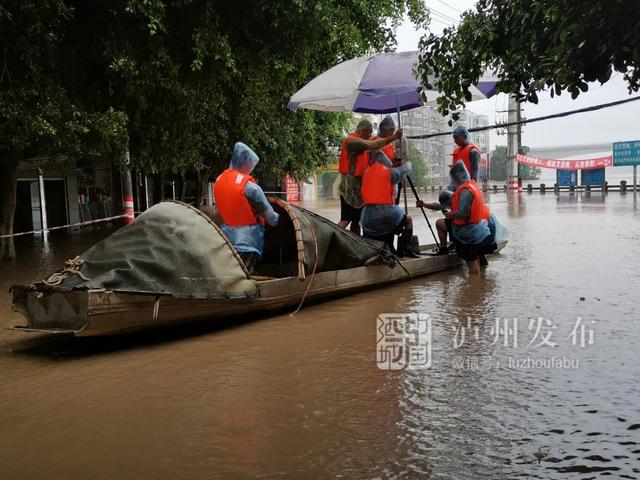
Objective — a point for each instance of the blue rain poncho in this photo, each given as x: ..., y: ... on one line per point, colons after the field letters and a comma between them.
x: 387, y: 123
x: 462, y: 133
x: 469, y: 233
x: 250, y: 238
x: 379, y: 220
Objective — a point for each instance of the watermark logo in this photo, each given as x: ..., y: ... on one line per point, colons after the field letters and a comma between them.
x: 403, y: 341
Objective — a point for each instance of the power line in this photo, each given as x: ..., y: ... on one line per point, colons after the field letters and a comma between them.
x: 442, y: 15
x: 451, y: 7
x: 531, y: 120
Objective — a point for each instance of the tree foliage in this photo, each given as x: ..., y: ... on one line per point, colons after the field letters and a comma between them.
x: 500, y: 165
x: 533, y: 45
x: 177, y: 82
x: 419, y: 172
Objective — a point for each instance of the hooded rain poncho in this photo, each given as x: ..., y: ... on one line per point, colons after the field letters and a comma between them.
x: 250, y: 238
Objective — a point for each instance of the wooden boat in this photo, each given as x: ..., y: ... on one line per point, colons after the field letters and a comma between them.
x: 81, y: 309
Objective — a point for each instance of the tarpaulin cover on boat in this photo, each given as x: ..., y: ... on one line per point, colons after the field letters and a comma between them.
x: 314, y: 239
x: 172, y: 248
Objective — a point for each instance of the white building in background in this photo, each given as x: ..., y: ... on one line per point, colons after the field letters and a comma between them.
x: 437, y: 150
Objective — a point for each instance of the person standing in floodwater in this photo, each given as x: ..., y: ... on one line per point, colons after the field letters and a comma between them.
x: 470, y: 220
x: 467, y: 152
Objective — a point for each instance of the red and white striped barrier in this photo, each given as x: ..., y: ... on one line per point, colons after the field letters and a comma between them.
x: 513, y: 186
x: 127, y: 209
x: 89, y: 222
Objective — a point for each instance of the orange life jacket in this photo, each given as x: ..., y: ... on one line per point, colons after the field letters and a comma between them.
x: 233, y: 205
x: 479, y: 210
x: 464, y: 154
x: 389, y: 150
x: 362, y: 160
x: 376, y: 186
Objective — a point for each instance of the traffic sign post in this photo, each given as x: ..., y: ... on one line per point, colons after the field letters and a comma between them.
x: 625, y: 154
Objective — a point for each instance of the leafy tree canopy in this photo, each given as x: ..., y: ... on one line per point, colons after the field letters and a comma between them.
x: 533, y: 45
x: 500, y: 164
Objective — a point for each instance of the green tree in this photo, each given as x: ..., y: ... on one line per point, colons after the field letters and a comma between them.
x: 419, y: 171
x: 533, y: 45
x: 177, y: 82
x: 499, y: 166
x: 37, y: 114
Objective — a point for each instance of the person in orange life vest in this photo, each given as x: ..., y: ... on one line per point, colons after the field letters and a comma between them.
x: 386, y: 129
x: 470, y: 219
x: 382, y: 219
x: 243, y: 206
x: 465, y: 151
x: 394, y: 151
x: 354, y: 159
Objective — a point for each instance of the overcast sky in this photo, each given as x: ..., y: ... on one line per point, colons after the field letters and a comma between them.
x: 607, y: 125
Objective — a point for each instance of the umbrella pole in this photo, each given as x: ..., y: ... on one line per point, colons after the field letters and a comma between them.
x: 403, y: 186
x: 413, y: 188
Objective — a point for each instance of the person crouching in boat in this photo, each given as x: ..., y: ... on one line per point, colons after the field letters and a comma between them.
x: 243, y: 206
x: 444, y: 226
x: 470, y: 219
x: 381, y: 218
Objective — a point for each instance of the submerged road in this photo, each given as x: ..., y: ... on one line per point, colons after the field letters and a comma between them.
x: 533, y: 372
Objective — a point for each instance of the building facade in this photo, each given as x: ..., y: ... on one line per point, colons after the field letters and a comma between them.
x: 437, y: 151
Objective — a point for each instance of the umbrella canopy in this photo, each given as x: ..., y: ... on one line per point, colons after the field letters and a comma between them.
x: 381, y: 83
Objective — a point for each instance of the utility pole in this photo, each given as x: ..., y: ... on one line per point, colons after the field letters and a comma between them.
x: 514, y: 136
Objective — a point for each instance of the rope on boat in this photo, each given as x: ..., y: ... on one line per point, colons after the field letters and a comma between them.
x: 71, y: 268
x: 313, y: 271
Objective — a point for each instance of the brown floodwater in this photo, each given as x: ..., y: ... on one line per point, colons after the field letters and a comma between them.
x: 302, y: 397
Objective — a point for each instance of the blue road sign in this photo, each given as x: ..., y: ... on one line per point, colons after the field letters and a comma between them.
x: 626, y: 153
x: 594, y: 176
x: 567, y: 178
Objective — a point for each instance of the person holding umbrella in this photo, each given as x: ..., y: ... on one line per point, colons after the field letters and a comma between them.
x: 386, y: 129
x: 354, y: 160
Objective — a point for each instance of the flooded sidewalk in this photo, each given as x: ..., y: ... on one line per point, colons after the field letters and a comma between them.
x: 528, y: 370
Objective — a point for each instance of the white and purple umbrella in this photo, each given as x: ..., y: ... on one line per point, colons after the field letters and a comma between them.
x: 381, y: 83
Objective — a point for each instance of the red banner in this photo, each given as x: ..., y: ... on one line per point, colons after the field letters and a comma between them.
x: 586, y: 164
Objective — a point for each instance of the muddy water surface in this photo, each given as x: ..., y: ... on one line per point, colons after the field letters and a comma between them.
x: 302, y: 397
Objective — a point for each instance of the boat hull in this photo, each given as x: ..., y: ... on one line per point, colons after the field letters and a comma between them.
x: 105, y: 312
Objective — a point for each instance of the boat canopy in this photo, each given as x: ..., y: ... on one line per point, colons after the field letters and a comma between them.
x: 173, y: 249
x: 304, y: 242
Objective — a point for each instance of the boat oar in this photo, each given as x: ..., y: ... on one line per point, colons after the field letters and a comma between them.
x: 415, y: 193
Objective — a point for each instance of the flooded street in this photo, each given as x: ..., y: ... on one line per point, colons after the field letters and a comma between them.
x: 302, y: 396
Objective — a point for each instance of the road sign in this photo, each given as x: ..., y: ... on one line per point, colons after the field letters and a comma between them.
x: 567, y: 178
x: 592, y: 177
x: 626, y: 153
